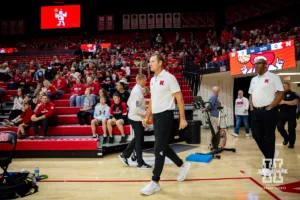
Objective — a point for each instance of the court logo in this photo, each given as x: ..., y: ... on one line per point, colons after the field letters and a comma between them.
x: 275, y: 175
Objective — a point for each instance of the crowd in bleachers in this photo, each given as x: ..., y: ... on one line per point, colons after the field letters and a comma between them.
x: 93, y: 80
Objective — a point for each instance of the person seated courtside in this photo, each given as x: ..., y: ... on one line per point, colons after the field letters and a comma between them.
x: 101, y: 115
x: 84, y: 112
x: 118, y: 115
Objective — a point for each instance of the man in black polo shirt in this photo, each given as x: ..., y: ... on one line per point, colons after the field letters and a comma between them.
x: 287, y: 113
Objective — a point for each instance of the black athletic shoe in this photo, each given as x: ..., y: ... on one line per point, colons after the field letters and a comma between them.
x: 285, y: 142
x: 291, y: 146
x: 111, y: 140
x: 144, y: 167
x: 123, y: 140
x: 124, y: 160
x: 104, y: 140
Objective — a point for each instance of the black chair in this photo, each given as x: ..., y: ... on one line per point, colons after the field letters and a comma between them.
x: 7, y: 137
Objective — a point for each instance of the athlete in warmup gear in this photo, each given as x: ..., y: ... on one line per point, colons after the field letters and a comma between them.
x: 137, y: 111
x: 266, y: 92
x: 164, y: 89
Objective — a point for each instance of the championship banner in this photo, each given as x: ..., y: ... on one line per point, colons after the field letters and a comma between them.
x: 142, y: 21
x: 176, y: 20
x: 185, y: 21
x: 168, y: 20
x: 151, y: 21
x: 279, y: 56
x: 210, y: 16
x: 159, y: 20
x: 101, y: 23
x: 20, y: 26
x: 134, y: 21
x: 4, y: 27
x: 126, y: 22
x: 193, y: 20
x: 201, y: 20
x: 109, y: 22
x: 237, y: 14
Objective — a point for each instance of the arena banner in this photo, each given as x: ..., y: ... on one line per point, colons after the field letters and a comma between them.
x: 126, y: 22
x: 20, y: 24
x: 279, y: 56
x: 64, y: 16
x: 142, y: 21
x: 168, y: 20
x: 176, y: 20
x: 151, y: 21
x: 101, y: 23
x: 8, y: 50
x: 246, y: 12
x: 193, y: 20
x: 229, y: 16
x: 109, y: 22
x: 210, y: 16
x: 185, y: 20
x: 202, y: 20
x: 134, y: 21
x: 159, y: 20
x: 237, y: 14
x: 88, y: 47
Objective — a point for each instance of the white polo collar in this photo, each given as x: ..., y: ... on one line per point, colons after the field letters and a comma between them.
x: 160, y: 74
x: 139, y: 87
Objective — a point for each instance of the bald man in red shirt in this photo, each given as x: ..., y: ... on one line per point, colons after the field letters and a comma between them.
x: 44, y: 116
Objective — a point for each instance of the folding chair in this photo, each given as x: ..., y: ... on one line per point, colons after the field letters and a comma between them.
x: 7, y: 137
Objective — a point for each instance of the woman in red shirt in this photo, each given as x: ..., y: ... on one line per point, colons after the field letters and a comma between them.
x: 77, y: 91
x: 50, y: 90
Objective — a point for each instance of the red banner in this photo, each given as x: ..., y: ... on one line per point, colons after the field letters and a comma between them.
x: 60, y: 17
x: 229, y: 16
x: 168, y: 20
x: 185, y: 21
x: 202, y: 20
x: 126, y: 22
x: 109, y: 22
x: 142, y: 21
x: 101, y: 23
x: 88, y: 47
x: 193, y: 20
x: 134, y: 21
x: 151, y: 21
x: 210, y: 19
x: 159, y: 20
x: 176, y: 20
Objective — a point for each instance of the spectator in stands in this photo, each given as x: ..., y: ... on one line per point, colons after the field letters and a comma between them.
x: 77, y: 91
x: 101, y: 115
x: 123, y: 94
x: 5, y: 73
x: 85, y: 112
x: 44, y: 116
x: 226, y: 36
x: 26, y: 82
x: 118, y: 115
x: 60, y: 84
x: 126, y: 68
x: 17, y: 79
x: 120, y: 71
x: 49, y: 90
x: 31, y: 68
x: 144, y: 67
x: 158, y: 39
x: 49, y: 73
x: 40, y: 74
x: 94, y: 89
x: 38, y: 100
x: 107, y: 81
x: 177, y: 40
x: 23, y: 121
x: 235, y: 32
x: 2, y: 94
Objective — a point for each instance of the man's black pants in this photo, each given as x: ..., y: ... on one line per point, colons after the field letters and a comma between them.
x: 137, y: 142
x: 263, y: 123
x: 284, y: 117
x: 163, y: 123
x: 45, y: 123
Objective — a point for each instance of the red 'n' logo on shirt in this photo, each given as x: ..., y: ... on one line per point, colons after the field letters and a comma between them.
x: 266, y: 80
x: 161, y: 83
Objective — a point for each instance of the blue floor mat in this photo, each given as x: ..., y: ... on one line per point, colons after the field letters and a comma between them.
x: 178, y: 148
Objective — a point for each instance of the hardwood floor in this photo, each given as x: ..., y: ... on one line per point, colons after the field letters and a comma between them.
x: 234, y: 176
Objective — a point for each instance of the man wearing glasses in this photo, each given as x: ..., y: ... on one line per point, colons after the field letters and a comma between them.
x: 266, y: 92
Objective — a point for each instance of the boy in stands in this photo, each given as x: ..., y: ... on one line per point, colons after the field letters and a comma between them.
x: 24, y: 120
x: 85, y: 112
x: 118, y: 114
x: 101, y: 115
x: 44, y: 116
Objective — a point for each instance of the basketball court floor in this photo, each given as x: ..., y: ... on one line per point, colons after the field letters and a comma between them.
x: 234, y: 176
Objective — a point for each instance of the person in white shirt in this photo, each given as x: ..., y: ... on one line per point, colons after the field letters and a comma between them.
x: 101, y: 115
x: 137, y: 111
x: 164, y: 89
x: 266, y: 92
x: 241, y: 113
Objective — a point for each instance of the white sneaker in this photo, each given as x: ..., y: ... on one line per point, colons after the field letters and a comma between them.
x: 276, y: 153
x: 150, y: 188
x: 183, y: 171
x: 247, y: 135
x: 266, y: 172
x: 234, y: 134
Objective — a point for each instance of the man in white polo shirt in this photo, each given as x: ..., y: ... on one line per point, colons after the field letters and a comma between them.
x: 266, y: 92
x: 164, y: 89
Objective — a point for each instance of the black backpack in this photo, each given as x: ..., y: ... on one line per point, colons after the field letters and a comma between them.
x: 17, y: 185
